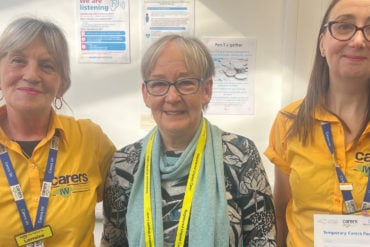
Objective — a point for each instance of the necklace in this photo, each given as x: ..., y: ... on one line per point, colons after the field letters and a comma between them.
x: 27, y: 147
x: 25, y: 154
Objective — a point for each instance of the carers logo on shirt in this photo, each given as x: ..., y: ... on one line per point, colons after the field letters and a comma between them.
x: 66, y: 185
x: 363, y: 159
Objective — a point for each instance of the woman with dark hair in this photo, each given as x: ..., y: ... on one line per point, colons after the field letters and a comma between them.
x: 320, y: 144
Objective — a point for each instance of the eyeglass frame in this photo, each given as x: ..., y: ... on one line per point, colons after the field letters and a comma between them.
x: 329, y: 25
x: 169, y: 84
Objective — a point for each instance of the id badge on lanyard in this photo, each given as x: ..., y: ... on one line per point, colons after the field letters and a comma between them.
x: 344, y: 186
x: 34, y: 234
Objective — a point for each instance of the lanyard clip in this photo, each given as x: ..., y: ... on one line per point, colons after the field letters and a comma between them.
x: 345, y: 186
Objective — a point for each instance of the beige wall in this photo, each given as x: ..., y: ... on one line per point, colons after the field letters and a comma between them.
x: 110, y: 93
x: 301, y: 27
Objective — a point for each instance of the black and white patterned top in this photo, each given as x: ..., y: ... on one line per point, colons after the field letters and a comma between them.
x: 248, y: 193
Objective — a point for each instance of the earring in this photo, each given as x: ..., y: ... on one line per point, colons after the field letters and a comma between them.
x: 322, y: 53
x: 58, y: 103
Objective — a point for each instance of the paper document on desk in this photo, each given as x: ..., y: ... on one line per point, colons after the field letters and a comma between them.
x: 341, y: 230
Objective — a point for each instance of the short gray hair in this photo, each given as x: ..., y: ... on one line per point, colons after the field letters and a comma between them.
x: 197, y: 57
x: 23, y: 31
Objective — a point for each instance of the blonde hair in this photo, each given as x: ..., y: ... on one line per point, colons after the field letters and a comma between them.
x: 23, y: 31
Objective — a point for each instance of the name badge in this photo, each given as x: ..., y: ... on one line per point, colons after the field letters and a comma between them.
x: 34, y: 236
x: 341, y: 230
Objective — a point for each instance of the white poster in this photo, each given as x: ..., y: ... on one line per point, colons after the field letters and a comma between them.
x: 233, y: 83
x: 341, y: 230
x: 164, y: 17
x: 103, y: 31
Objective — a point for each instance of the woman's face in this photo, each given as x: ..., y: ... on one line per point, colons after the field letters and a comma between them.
x: 176, y: 114
x: 348, y: 59
x: 29, y: 79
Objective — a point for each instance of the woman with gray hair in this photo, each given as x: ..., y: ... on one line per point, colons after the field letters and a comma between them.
x: 187, y: 183
x: 53, y: 166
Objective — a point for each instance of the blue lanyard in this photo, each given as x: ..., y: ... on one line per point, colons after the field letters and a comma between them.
x: 45, y: 190
x: 343, y: 183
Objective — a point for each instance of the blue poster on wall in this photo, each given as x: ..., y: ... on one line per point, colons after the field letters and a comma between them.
x: 103, y: 31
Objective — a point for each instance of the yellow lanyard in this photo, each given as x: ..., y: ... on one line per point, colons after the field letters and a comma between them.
x: 189, y: 192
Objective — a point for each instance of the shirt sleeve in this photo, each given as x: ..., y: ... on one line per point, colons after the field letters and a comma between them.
x: 102, y: 150
x: 114, y: 212
x: 116, y: 195
x: 258, y: 213
x: 276, y: 149
x: 249, y: 192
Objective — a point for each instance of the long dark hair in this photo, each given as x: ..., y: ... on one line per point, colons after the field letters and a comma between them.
x: 317, y: 89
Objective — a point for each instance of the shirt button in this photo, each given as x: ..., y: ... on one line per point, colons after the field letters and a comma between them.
x: 33, y: 166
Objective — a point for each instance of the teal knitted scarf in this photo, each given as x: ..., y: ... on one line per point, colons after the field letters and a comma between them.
x: 209, y: 222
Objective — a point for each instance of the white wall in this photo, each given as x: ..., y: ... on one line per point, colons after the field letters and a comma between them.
x: 301, y: 27
x: 109, y: 94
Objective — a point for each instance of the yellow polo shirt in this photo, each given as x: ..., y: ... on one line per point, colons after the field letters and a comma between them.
x: 312, y: 176
x: 83, y: 159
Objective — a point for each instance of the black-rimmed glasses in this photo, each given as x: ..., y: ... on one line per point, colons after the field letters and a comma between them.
x: 184, y: 86
x: 344, y: 31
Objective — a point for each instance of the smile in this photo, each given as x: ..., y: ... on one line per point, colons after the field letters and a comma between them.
x: 174, y: 112
x: 31, y: 91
